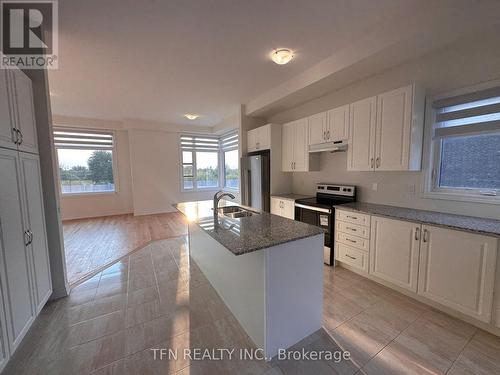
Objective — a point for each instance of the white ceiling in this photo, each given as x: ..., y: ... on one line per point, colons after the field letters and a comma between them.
x: 155, y: 60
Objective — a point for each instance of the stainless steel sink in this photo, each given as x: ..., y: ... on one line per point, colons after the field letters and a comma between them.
x: 236, y: 212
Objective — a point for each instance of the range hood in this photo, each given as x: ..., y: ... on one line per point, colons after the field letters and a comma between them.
x: 335, y: 146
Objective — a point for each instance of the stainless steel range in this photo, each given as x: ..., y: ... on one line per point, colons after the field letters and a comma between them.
x: 319, y: 211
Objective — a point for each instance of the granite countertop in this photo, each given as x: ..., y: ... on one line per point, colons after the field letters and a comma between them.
x: 466, y: 223
x: 291, y: 197
x: 247, y: 234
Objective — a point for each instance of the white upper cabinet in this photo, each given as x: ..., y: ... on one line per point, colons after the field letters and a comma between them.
x: 287, y: 147
x: 361, y: 149
x: 338, y: 124
x: 259, y: 139
x: 457, y: 270
x: 17, y: 113
x: 301, y: 147
x: 7, y: 122
x: 331, y: 126
x: 25, y: 111
x: 295, y: 148
x: 317, y: 128
x: 394, y: 251
x: 393, y: 134
x: 385, y: 132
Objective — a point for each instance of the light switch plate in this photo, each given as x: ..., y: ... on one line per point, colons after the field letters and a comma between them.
x: 375, y: 186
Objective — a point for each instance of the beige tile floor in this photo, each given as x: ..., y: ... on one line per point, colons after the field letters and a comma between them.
x: 158, y: 298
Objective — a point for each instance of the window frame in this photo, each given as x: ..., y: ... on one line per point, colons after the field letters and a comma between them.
x: 114, y: 162
x: 223, y: 159
x: 432, y: 156
x: 221, y: 181
x: 193, y: 156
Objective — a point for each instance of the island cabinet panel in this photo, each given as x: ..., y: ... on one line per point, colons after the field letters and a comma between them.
x: 276, y: 293
x: 457, y: 270
x: 394, y: 251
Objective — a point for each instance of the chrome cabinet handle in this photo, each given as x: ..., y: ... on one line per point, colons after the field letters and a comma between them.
x: 328, y: 134
x: 20, y: 136
x: 351, y: 241
x: 353, y: 229
x: 417, y: 233
x: 15, y: 136
x: 350, y: 256
x: 352, y: 217
x: 378, y: 162
x: 31, y: 236
x: 324, y: 135
x: 426, y: 236
x: 26, y: 238
x: 371, y: 163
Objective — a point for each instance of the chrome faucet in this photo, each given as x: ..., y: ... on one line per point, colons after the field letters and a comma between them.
x: 218, y: 196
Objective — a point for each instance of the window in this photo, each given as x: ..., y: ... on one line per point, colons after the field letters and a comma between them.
x: 209, y: 162
x: 85, y: 161
x: 200, y: 162
x: 230, y: 154
x: 466, y: 146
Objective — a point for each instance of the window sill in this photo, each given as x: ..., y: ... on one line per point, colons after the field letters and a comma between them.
x: 471, y: 198
x: 75, y: 195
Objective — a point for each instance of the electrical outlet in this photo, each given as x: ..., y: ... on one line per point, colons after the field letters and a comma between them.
x: 375, y: 186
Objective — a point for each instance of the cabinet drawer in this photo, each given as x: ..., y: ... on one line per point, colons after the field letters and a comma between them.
x: 349, y: 228
x: 354, y: 241
x: 353, y: 217
x: 351, y: 256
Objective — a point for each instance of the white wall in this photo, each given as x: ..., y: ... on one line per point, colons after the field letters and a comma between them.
x: 83, y: 206
x: 465, y: 63
x: 155, y: 168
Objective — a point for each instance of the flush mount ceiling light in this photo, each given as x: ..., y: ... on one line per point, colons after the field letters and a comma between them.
x: 191, y: 116
x: 282, y: 56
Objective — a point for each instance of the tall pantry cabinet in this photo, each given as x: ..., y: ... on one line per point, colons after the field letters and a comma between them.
x: 25, y: 281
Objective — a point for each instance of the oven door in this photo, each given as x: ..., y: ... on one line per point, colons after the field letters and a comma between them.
x: 320, y: 217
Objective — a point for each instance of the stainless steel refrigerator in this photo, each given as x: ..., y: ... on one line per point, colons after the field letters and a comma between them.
x: 256, y: 181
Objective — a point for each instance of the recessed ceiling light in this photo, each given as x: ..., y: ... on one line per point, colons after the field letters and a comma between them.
x: 282, y: 56
x: 191, y: 116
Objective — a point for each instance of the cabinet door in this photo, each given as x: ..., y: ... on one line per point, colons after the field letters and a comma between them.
x: 251, y: 140
x: 361, y: 149
x: 288, y: 209
x: 338, y: 124
x: 276, y: 206
x: 288, y: 139
x: 4, y: 348
x: 317, y: 128
x: 392, y: 147
x: 7, y: 124
x: 264, y: 137
x: 15, y: 267
x: 25, y: 111
x: 42, y: 284
x: 457, y: 269
x: 301, y: 147
x: 394, y: 251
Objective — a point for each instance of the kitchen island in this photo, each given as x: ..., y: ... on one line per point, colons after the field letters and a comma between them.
x: 266, y: 268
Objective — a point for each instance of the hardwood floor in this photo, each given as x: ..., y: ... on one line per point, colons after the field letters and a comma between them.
x: 157, y: 298
x: 91, y: 244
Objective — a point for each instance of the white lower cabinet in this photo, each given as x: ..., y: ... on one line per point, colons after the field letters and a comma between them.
x: 24, y: 264
x: 453, y: 268
x: 457, y: 270
x: 394, y: 251
x: 283, y: 207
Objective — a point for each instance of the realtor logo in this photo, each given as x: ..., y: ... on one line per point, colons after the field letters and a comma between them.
x: 29, y: 37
